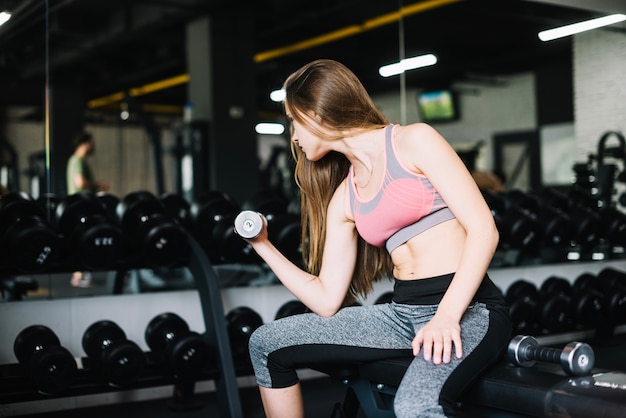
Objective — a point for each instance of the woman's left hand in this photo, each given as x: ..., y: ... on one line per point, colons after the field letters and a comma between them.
x: 436, y: 339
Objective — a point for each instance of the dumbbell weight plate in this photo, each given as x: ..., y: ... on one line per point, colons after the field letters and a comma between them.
x: 241, y: 323
x: 289, y: 308
x: 164, y: 242
x: 30, y: 245
x: 189, y: 355
x: 249, y: 224
x: 120, y: 361
x: 33, y: 339
x: 51, y: 366
x: 98, y: 245
x: 162, y: 330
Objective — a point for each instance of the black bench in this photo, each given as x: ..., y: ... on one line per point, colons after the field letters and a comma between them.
x: 504, y: 391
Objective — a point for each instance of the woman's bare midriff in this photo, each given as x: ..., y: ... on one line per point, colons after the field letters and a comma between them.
x: 434, y: 252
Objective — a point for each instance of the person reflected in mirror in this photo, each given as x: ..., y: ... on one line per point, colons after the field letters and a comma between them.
x: 80, y: 179
x: 380, y: 200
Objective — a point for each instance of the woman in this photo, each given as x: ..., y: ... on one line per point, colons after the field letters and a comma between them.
x: 380, y: 200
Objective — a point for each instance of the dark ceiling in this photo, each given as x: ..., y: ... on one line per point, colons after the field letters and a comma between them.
x: 114, y: 45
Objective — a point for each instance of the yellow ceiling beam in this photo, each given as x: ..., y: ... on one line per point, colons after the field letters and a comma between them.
x: 353, y: 30
x: 289, y: 49
x: 139, y: 91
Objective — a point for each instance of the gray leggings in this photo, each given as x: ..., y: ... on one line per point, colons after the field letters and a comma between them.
x: 369, y: 333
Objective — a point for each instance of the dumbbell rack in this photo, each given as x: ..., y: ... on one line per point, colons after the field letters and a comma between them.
x: 15, y: 384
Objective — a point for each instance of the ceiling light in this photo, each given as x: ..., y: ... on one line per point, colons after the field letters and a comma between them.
x: 550, y: 34
x: 407, y: 64
x: 278, y: 95
x: 4, y: 17
x: 266, y: 128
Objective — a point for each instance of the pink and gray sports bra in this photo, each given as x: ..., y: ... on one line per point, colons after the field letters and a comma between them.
x: 405, y: 205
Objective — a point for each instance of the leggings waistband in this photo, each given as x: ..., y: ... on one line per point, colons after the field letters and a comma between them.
x: 427, y: 291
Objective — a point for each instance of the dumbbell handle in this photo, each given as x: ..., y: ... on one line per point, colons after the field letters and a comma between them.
x: 577, y: 359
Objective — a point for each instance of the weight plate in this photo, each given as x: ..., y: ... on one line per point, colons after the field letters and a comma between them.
x: 32, y: 339
x: 162, y: 330
x: 53, y: 370
x: 99, y: 335
x: 123, y: 363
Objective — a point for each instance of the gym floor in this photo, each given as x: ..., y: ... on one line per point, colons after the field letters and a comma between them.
x: 320, y: 396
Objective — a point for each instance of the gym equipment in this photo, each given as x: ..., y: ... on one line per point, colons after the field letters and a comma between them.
x: 213, y: 215
x: 522, y: 297
x: 612, y: 282
x: 554, y: 225
x: 576, y: 358
x: 177, y: 207
x: 517, y: 227
x: 503, y: 391
x: 283, y: 227
x: 109, y: 202
x: 28, y: 242
x: 152, y: 235
x: 585, y: 222
x: 92, y: 240
x: 555, y: 305
x: 241, y: 322
x: 588, y: 302
x: 119, y: 361
x: 249, y: 224
x: 52, y: 367
x: 185, y: 352
x: 291, y: 307
x: 14, y: 288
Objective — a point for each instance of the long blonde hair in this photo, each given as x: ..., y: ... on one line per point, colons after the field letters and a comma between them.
x: 332, y: 93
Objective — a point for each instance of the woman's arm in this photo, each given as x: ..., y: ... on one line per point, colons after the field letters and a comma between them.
x: 433, y: 156
x: 323, y: 294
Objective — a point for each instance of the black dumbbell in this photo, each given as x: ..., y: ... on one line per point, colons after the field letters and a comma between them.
x: 291, y: 307
x: 185, y: 352
x: 155, y: 237
x: 119, y: 361
x: 576, y: 358
x: 517, y: 227
x: 612, y: 282
x: 52, y: 367
x: 585, y: 222
x: 555, y: 307
x: 213, y: 216
x: 93, y: 241
x: 283, y: 227
x: 522, y: 296
x: 177, y: 207
x: 241, y: 322
x: 109, y: 201
x: 28, y: 242
x: 588, y: 302
x: 554, y: 225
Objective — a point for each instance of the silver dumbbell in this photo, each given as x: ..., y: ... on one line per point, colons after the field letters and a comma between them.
x: 576, y: 358
x: 249, y: 224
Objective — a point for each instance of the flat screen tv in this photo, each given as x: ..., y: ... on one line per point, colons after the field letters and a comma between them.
x: 438, y: 106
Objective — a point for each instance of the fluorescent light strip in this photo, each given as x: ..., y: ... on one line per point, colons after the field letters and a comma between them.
x: 265, y: 128
x: 4, y: 17
x: 277, y: 95
x: 550, y: 34
x: 407, y: 64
